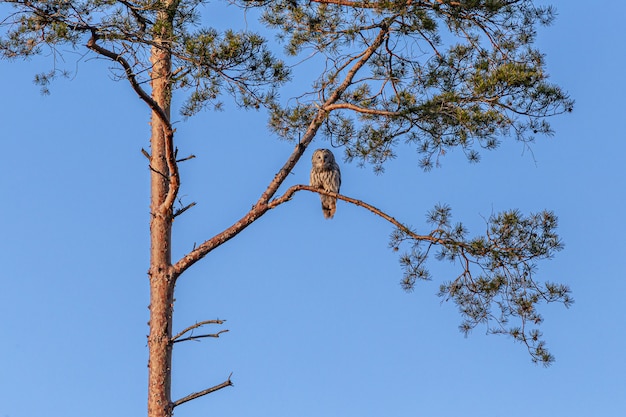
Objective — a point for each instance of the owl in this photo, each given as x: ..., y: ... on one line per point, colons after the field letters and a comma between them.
x: 325, y: 175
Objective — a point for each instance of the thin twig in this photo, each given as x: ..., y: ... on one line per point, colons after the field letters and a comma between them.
x: 184, y: 209
x: 157, y: 171
x: 202, y: 336
x: 262, y: 205
x: 195, y: 326
x: 185, y: 159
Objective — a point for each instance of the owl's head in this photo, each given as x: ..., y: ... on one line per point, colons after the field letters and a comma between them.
x: 323, y: 158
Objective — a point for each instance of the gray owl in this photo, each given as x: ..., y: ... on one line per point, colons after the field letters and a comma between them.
x: 325, y: 175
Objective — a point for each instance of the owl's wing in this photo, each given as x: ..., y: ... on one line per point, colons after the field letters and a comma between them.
x: 335, y: 179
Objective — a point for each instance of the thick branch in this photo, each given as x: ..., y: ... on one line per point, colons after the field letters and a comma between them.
x: 321, y: 115
x: 364, y: 110
x: 288, y: 195
x: 173, y: 178
x: 158, y: 110
x: 262, y: 205
x: 198, y: 394
x: 172, y: 166
x: 370, y: 5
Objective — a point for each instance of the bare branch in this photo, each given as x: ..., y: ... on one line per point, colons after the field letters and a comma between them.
x: 185, y: 159
x: 261, y: 205
x: 174, y: 179
x: 195, y: 326
x: 374, y: 5
x: 198, y: 394
x: 202, y: 336
x: 157, y: 171
x: 184, y: 209
x: 130, y: 75
x: 168, y: 131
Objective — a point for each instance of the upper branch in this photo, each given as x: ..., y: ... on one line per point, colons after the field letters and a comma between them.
x: 130, y: 75
x: 195, y: 326
x: 321, y: 115
x: 262, y: 205
x: 363, y: 110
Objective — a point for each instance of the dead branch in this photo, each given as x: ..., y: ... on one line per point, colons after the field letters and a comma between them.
x: 262, y: 205
x: 184, y: 209
x: 130, y: 75
x: 198, y: 394
x: 185, y: 159
x: 157, y: 171
x: 161, y: 113
x: 202, y: 336
x: 195, y: 326
x: 374, y: 5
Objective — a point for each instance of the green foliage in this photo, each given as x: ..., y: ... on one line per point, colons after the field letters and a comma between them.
x: 205, y: 62
x: 239, y: 63
x: 497, y: 283
x: 449, y: 74
x: 437, y: 75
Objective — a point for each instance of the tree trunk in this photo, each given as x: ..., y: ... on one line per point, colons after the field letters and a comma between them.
x: 160, y: 273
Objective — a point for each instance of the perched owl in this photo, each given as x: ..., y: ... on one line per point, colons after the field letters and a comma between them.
x: 325, y: 175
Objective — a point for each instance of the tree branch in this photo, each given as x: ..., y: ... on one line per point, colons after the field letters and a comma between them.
x: 130, y: 75
x: 183, y: 209
x: 288, y: 195
x: 185, y: 159
x: 168, y: 131
x: 353, y: 107
x: 202, y: 336
x: 370, y: 5
x: 195, y: 326
x: 172, y: 166
x: 261, y: 205
x: 198, y: 394
x: 143, y: 22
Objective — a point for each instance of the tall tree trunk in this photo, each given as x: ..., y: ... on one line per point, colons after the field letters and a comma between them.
x: 162, y: 280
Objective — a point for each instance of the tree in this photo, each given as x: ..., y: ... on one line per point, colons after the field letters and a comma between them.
x: 436, y: 74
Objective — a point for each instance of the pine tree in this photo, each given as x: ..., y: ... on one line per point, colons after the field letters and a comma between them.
x: 437, y: 74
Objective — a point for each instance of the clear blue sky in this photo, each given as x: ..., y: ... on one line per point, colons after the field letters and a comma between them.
x: 319, y: 325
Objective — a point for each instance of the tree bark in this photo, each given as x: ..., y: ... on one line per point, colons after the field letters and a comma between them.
x: 162, y: 281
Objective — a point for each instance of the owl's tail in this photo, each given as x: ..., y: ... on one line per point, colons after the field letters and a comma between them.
x: 329, y: 206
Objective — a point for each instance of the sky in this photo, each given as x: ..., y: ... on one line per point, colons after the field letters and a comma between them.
x: 318, y: 323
